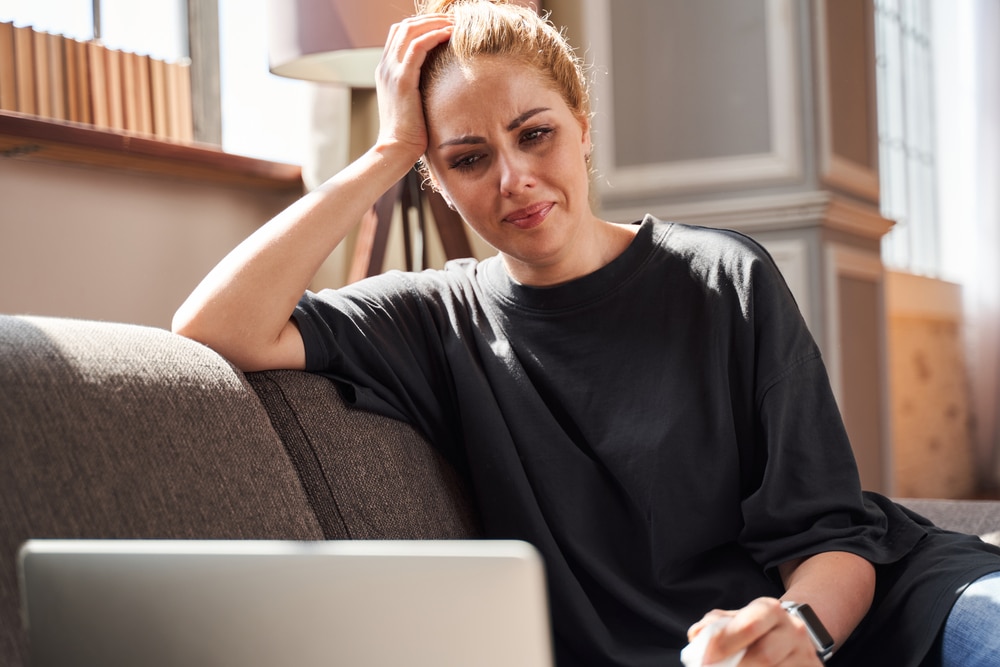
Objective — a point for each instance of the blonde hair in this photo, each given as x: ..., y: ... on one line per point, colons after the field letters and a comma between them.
x: 502, y: 28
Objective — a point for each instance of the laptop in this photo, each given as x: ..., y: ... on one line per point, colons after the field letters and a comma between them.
x: 165, y: 603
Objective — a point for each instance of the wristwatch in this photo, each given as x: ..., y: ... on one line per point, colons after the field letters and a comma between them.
x: 821, y: 638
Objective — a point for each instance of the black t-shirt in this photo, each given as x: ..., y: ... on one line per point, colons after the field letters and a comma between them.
x: 662, y: 429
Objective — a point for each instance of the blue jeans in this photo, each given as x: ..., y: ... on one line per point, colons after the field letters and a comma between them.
x: 971, y: 634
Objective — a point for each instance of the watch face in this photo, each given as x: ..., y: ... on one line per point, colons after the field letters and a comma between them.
x: 824, y: 642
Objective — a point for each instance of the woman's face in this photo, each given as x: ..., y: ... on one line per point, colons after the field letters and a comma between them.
x: 507, y: 152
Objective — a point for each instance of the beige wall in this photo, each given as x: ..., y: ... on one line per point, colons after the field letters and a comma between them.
x: 105, y: 244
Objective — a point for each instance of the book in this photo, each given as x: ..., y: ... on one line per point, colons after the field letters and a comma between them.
x: 8, y: 70
x: 159, y: 96
x: 72, y: 80
x: 24, y: 65
x: 98, y: 82
x: 180, y: 99
x: 43, y: 89
x: 143, y: 94
x: 57, y: 75
x: 113, y: 88
x: 81, y: 70
x: 130, y: 101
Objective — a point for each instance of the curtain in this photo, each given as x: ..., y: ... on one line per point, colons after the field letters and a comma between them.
x: 983, y: 288
x: 967, y: 78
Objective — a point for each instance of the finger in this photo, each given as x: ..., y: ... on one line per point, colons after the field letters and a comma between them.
x: 748, y: 626
x: 707, y: 620
x: 414, y: 29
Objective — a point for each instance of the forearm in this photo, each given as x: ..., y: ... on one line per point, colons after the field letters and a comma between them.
x: 242, y: 307
x: 839, y: 586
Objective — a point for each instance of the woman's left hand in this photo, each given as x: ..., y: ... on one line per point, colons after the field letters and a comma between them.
x: 770, y: 635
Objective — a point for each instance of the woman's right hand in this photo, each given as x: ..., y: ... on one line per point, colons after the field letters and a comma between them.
x: 242, y: 307
x: 397, y: 80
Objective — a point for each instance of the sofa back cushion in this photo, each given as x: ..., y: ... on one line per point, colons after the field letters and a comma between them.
x: 367, y: 476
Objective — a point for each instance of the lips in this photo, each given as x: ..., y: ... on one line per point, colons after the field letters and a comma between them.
x: 530, y: 216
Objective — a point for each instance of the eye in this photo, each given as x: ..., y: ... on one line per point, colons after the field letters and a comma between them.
x: 536, y: 135
x: 465, y: 162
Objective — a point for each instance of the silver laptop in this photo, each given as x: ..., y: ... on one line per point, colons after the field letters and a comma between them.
x: 160, y: 603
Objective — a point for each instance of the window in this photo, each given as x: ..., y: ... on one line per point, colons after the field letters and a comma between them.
x: 157, y: 28
x: 263, y: 115
x: 152, y: 27
x: 907, y: 134
x: 72, y: 18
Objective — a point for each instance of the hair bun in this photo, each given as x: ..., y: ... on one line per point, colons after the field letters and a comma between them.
x: 435, y: 6
x: 443, y: 6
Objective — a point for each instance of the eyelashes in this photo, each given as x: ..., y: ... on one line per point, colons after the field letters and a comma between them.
x: 530, y: 138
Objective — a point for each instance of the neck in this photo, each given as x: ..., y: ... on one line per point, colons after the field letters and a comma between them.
x: 596, y: 246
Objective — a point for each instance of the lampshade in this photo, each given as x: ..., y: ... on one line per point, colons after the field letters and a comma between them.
x: 338, y: 41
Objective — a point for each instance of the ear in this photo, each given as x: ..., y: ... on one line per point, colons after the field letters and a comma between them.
x: 431, y: 181
x: 585, y: 137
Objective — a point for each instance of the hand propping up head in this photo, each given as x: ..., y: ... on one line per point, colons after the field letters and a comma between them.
x: 397, y: 81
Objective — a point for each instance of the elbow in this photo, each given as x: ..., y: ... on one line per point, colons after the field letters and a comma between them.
x: 192, y: 324
x: 185, y: 323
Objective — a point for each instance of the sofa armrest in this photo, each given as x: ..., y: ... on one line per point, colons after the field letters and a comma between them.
x: 120, y: 431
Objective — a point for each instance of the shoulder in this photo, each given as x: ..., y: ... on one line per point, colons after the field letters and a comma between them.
x: 396, y: 284
x: 707, y: 242
x: 441, y: 294
x: 714, y: 254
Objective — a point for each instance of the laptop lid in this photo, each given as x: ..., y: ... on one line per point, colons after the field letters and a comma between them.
x: 163, y: 603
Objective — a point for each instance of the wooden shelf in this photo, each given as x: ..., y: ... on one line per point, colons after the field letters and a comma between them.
x: 25, y: 137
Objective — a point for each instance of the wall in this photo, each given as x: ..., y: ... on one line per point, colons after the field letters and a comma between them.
x: 100, y: 243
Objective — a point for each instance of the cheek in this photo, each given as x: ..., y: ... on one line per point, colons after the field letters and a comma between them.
x: 463, y: 192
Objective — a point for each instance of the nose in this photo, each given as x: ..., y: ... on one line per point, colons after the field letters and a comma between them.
x: 516, y: 174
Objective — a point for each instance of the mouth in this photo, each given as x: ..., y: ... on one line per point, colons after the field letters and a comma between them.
x: 530, y: 216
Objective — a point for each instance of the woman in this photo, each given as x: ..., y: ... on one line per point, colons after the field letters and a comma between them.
x: 641, y: 402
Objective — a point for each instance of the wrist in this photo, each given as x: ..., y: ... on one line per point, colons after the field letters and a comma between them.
x: 401, y: 154
x: 819, y: 635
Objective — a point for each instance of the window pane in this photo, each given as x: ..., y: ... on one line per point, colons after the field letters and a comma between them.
x: 157, y: 28
x: 63, y: 17
x: 263, y: 115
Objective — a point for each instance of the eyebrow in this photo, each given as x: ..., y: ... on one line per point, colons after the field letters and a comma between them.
x: 512, y: 125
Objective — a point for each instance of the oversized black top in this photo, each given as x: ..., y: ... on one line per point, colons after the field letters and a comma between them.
x: 662, y: 429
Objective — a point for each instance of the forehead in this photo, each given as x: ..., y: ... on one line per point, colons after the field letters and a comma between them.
x: 486, y: 89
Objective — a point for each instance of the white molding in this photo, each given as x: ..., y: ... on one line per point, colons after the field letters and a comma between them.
x: 768, y: 213
x: 783, y: 163
x: 857, y: 219
x: 835, y: 170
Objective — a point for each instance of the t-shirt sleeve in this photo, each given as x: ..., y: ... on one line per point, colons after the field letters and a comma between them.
x: 805, y: 494
x: 380, y: 342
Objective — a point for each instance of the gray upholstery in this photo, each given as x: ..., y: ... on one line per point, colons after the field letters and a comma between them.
x: 369, y: 477
x: 119, y: 431
x: 113, y: 430
x: 976, y: 517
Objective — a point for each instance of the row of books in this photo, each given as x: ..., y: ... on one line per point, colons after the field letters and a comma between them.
x: 64, y: 79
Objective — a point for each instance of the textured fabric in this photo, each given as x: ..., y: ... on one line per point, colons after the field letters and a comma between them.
x: 118, y: 431
x: 367, y: 477
x: 661, y: 429
x: 975, y: 517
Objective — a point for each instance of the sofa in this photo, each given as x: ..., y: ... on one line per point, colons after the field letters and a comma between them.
x: 111, y: 430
